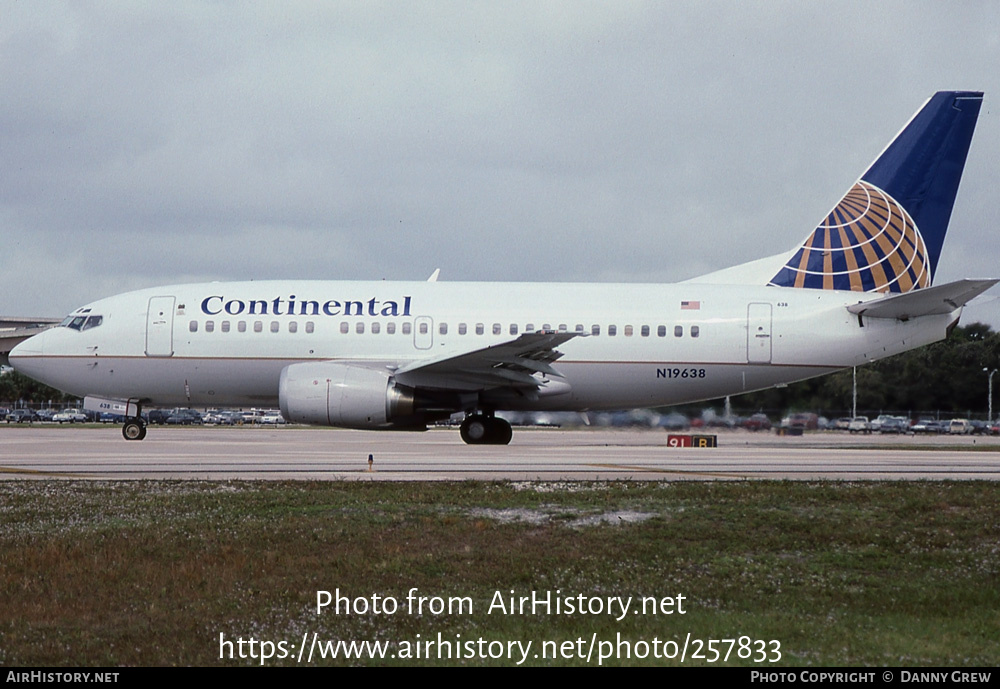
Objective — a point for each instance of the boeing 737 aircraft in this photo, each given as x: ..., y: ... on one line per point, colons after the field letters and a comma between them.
x: 398, y: 355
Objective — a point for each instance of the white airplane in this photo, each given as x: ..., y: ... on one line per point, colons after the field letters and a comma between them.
x: 398, y: 355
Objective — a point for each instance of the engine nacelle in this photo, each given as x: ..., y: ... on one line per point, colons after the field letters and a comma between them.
x: 345, y: 395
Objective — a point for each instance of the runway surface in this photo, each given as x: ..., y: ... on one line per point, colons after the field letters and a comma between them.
x: 534, y: 454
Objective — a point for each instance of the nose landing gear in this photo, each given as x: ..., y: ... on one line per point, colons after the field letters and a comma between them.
x: 482, y: 429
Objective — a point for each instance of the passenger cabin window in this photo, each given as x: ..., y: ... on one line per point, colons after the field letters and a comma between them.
x: 359, y: 328
x: 193, y: 326
x: 595, y: 330
x: 644, y: 331
x: 275, y: 326
x: 242, y: 326
x: 345, y: 327
x: 390, y: 328
x: 310, y: 326
x: 628, y: 331
x: 497, y: 329
x: 376, y: 328
x: 423, y: 328
x: 529, y: 328
x: 480, y: 328
x: 293, y: 327
x: 678, y: 331
x: 513, y: 328
x: 443, y: 328
x: 695, y: 331
x: 209, y: 326
x: 258, y: 326
x: 661, y: 331
x: 612, y: 330
x: 462, y: 328
x: 224, y: 326
x: 407, y: 328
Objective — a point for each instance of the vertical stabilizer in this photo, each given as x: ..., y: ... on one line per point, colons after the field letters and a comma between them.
x: 886, y: 234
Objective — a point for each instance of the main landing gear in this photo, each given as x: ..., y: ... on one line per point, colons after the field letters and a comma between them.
x: 480, y: 429
x: 134, y: 428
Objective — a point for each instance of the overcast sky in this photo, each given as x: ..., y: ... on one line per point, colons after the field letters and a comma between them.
x: 155, y: 143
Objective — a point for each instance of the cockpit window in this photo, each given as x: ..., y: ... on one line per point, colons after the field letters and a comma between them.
x: 77, y: 322
x: 74, y: 322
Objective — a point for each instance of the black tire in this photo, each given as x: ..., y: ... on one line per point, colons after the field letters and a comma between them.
x: 500, y: 432
x: 474, y: 430
x: 133, y: 429
x: 485, y: 430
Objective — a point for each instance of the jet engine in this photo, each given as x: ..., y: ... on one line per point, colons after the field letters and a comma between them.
x: 345, y: 395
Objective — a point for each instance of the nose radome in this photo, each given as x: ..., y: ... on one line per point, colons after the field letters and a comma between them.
x: 24, y: 357
x: 32, y: 346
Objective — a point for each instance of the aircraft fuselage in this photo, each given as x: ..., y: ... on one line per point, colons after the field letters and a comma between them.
x: 639, y: 345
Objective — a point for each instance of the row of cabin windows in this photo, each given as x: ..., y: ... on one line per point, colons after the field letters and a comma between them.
x: 628, y: 330
x: 463, y: 329
x: 256, y: 326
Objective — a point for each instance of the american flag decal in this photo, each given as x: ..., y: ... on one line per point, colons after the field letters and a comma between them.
x: 690, y: 305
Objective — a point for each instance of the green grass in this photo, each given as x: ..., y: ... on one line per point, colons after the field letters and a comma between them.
x: 151, y: 572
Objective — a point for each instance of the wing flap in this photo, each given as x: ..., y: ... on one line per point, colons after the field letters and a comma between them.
x: 514, y: 363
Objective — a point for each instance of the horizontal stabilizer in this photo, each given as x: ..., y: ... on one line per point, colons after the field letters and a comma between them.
x: 930, y: 301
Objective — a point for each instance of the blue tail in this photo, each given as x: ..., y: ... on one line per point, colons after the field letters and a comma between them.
x: 886, y: 234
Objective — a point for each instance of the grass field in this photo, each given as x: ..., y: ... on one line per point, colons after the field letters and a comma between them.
x: 152, y: 572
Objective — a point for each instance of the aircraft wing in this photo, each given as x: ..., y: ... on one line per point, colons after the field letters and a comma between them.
x: 512, y: 364
x: 929, y: 301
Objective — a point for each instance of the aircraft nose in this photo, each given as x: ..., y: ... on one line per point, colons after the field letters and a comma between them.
x: 22, y: 354
x: 27, y: 348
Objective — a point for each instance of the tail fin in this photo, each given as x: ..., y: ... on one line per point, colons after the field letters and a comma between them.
x: 886, y: 234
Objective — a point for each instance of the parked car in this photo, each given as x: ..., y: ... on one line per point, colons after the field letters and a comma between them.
x: 184, y: 417
x: 251, y: 417
x: 46, y: 414
x: 960, y: 427
x: 157, y: 416
x: 757, y: 422
x: 894, y: 424
x: 875, y: 425
x: 70, y: 416
x: 979, y: 427
x: 212, y: 417
x: 804, y: 420
x: 230, y: 418
x: 22, y: 416
x: 859, y: 424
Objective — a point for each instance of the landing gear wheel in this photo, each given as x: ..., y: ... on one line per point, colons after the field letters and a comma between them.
x: 474, y: 430
x: 478, y: 429
x: 134, y: 429
x: 502, y: 432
